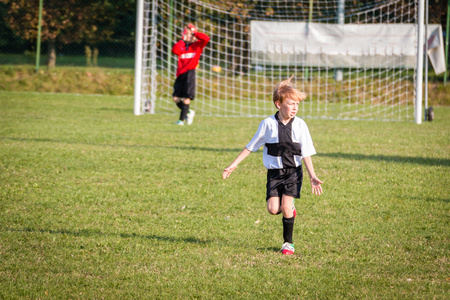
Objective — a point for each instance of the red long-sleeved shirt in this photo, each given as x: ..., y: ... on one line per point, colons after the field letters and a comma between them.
x: 189, y: 54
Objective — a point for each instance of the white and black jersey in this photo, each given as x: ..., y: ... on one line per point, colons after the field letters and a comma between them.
x: 284, y: 145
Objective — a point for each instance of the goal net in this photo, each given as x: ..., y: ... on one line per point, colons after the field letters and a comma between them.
x: 354, y: 59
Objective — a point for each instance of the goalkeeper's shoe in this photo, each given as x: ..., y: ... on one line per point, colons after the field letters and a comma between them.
x: 287, y: 249
x: 190, y: 117
x: 179, y: 122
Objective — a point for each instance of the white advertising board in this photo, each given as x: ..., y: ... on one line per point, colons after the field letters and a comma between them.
x: 342, y: 45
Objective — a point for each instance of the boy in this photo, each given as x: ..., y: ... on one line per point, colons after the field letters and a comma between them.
x: 287, y: 142
x: 188, y: 50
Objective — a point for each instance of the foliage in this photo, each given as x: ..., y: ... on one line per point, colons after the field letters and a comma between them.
x: 98, y: 203
x: 74, y: 21
x: 95, y: 22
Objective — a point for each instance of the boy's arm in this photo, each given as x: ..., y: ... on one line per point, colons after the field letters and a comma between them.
x: 316, y: 187
x: 203, y: 38
x: 244, y: 153
x: 178, y: 47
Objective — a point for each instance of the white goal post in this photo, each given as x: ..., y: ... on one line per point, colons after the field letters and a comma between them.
x: 356, y: 60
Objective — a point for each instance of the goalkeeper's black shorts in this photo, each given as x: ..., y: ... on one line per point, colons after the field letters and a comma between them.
x: 184, y: 86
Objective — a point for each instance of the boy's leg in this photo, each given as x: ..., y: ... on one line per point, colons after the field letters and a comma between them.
x: 178, y: 95
x: 178, y: 101
x: 287, y: 206
x: 288, y: 218
x: 189, y: 91
x: 185, y: 108
x: 273, y: 205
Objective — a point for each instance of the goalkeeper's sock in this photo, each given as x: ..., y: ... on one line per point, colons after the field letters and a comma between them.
x: 180, y: 104
x: 288, y: 229
x: 184, y: 112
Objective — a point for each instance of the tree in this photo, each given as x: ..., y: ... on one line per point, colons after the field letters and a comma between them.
x: 64, y: 22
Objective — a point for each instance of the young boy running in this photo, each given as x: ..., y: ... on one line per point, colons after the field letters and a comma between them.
x: 287, y: 141
x: 188, y: 50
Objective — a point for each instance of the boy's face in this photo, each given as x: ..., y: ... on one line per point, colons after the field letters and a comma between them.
x: 189, y: 36
x: 288, y: 109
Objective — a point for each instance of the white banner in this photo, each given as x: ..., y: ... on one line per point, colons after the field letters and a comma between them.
x: 340, y: 45
x: 436, y: 48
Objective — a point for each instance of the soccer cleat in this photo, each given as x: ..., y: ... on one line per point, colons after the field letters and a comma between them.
x: 179, y: 122
x: 190, y: 117
x: 287, y: 249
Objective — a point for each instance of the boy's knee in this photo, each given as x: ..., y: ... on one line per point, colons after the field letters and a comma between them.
x: 273, y: 210
x: 273, y: 205
x: 176, y: 99
x: 186, y: 101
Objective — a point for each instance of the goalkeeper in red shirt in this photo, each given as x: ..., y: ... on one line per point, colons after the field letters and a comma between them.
x: 188, y: 51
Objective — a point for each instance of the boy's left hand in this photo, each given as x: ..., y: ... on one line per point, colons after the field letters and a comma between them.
x: 316, y: 187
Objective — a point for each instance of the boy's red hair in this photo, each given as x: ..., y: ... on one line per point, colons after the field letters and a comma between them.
x: 285, y: 90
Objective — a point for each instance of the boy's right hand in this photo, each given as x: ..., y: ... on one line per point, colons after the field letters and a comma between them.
x: 226, y: 173
x: 244, y: 153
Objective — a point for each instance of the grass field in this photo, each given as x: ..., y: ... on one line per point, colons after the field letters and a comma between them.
x: 98, y: 203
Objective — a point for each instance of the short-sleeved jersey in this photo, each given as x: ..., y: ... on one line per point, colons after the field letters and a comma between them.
x: 284, y: 145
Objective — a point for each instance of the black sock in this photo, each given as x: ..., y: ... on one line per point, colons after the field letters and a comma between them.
x: 288, y: 229
x: 184, y: 112
x: 180, y: 104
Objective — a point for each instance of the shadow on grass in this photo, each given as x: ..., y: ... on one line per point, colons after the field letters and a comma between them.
x: 391, y: 158
x: 93, y: 232
x: 269, y: 249
x: 117, y: 109
x: 192, y: 148
x: 428, y: 199
x: 352, y: 156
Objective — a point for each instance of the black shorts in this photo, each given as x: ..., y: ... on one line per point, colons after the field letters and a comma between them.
x: 184, y: 86
x: 284, y: 182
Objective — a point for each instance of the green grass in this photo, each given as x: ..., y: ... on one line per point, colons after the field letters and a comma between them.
x: 82, y: 80
x: 98, y: 203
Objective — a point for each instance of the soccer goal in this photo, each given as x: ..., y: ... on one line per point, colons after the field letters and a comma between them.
x: 356, y: 60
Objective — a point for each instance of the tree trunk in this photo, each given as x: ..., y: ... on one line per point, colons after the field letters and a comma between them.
x: 51, y: 55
